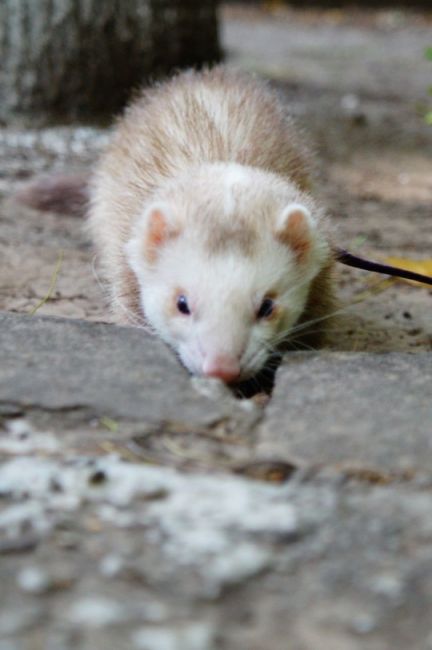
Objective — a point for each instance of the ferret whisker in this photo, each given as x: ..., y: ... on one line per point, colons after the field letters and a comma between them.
x: 255, y: 382
x: 273, y: 363
x: 270, y: 349
x: 305, y: 346
x: 104, y: 289
x: 268, y: 372
x: 273, y: 355
x: 336, y: 312
x: 273, y: 347
x: 132, y: 317
x: 307, y: 324
x: 240, y: 394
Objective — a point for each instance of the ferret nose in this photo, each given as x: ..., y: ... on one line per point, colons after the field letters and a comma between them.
x: 223, y: 367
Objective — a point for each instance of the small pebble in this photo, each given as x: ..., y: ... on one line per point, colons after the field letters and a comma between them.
x: 196, y: 636
x: 33, y: 580
x: 363, y: 624
x: 387, y: 585
x: 96, y: 612
x: 350, y: 103
x: 110, y: 565
x: 97, y: 477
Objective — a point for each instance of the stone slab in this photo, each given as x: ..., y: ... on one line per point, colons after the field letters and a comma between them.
x: 358, y: 408
x: 103, y: 370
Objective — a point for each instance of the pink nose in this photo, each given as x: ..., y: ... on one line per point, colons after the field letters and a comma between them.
x: 223, y: 367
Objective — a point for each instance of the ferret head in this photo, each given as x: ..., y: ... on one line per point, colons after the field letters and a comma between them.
x: 224, y: 259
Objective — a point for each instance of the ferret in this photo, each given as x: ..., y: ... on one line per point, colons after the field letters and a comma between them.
x: 204, y: 224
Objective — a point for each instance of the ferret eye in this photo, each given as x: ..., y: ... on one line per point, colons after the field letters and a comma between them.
x: 182, y: 305
x: 266, y: 308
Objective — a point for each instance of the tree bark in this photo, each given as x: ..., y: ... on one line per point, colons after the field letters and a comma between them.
x: 82, y: 58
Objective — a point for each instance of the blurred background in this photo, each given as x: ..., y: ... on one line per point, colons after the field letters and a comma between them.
x: 82, y: 58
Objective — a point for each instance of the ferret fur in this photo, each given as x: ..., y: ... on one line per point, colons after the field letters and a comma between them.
x: 217, y: 155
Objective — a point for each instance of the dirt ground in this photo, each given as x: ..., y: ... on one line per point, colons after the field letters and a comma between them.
x: 358, y: 84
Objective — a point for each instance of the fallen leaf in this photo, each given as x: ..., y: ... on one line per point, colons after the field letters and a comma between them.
x: 424, y: 267
x: 109, y: 424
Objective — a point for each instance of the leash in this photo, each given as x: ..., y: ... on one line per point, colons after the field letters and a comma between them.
x: 344, y: 257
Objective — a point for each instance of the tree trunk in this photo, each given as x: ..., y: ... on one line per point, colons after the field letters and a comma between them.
x: 81, y: 58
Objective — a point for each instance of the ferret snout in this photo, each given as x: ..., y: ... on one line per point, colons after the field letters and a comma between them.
x: 222, y: 367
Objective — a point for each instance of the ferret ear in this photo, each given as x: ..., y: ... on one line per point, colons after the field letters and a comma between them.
x: 155, y: 228
x: 295, y: 229
x: 159, y: 227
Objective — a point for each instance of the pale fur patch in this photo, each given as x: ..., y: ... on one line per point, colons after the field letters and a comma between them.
x: 235, y: 176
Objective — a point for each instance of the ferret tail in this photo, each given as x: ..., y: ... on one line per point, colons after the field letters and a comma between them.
x: 61, y: 193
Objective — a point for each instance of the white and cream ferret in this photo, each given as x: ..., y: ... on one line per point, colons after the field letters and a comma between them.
x: 204, y: 226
